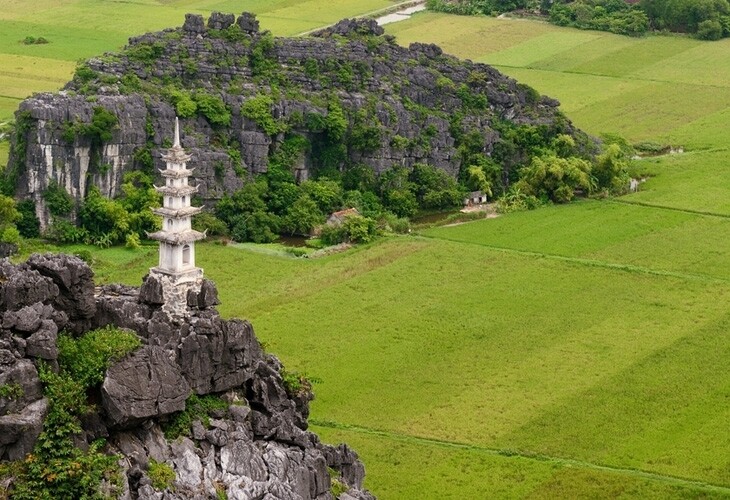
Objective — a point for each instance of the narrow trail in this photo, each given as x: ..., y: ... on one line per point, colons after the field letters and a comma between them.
x: 385, y: 10
x: 537, y: 457
x: 614, y: 266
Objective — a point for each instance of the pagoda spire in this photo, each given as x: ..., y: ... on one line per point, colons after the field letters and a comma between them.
x: 176, y: 144
x: 177, y: 238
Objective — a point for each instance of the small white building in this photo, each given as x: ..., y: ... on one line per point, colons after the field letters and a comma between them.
x: 475, y: 198
x: 176, y: 267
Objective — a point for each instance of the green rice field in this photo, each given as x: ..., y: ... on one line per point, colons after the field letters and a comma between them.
x: 574, y: 351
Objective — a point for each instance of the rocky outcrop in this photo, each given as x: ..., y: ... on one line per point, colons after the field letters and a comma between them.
x: 400, y: 106
x: 254, y: 445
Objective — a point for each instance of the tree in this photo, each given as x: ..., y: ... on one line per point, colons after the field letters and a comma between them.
x: 555, y: 178
x: 434, y: 188
x: 610, y: 169
x: 303, y: 216
x: 107, y: 221
x: 476, y: 180
x: 327, y: 194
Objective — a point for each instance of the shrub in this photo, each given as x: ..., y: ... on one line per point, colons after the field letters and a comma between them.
x: 185, y: 106
x: 514, y: 200
x: 196, y: 408
x: 353, y: 229
x: 396, y: 224
x: 87, y: 358
x: 213, y: 108
x: 555, y: 178
x: 258, y: 109
x: 58, y: 201
x: 302, y: 217
x: 710, y: 29
x: 56, y: 468
x: 610, y: 169
x: 31, y: 40
x: 132, y: 241
x: 259, y: 227
x: 63, y: 231
x: 11, y: 391
x: 10, y: 234
x: 100, y: 129
x: 161, y: 475
x: 206, y: 221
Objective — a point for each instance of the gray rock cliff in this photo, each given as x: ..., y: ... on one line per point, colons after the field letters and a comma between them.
x: 256, y: 446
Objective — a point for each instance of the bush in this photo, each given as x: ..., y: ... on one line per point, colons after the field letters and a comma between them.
x: 206, y: 221
x: 396, y: 224
x: 709, y: 30
x: 213, y: 108
x: 87, y: 358
x: 302, y: 217
x: 610, y: 170
x: 58, y: 201
x: 161, y: 475
x: 56, y: 468
x: 65, y: 232
x: 353, y: 229
x: 514, y: 200
x: 101, y: 126
x: 10, y: 234
x: 28, y: 224
x: 259, y: 227
x: 258, y: 109
x: 185, y: 106
x: 132, y: 241
x: 196, y: 408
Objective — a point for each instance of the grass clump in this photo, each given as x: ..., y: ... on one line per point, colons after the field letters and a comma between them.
x: 196, y: 408
x: 337, y: 487
x: 161, y: 474
x: 11, y: 391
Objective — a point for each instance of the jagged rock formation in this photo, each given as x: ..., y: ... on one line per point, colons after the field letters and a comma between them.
x: 258, y: 447
x: 401, y: 106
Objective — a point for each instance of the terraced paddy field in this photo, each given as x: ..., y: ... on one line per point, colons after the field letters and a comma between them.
x: 577, y: 351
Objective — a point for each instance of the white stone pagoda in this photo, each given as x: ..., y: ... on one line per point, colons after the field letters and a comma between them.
x: 176, y: 268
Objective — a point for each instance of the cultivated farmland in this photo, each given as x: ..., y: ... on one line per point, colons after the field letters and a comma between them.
x: 573, y: 351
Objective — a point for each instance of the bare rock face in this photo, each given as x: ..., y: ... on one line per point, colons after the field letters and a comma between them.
x: 145, y: 384
x: 19, y: 431
x: 74, y: 280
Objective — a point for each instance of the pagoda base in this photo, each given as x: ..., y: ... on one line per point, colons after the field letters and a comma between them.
x: 175, y: 289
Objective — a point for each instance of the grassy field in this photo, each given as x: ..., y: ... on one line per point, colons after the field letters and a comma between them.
x: 576, y: 351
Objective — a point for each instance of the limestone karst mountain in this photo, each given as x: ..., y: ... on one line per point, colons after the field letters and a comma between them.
x: 349, y: 93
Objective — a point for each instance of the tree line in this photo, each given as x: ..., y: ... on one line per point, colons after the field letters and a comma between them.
x: 704, y: 19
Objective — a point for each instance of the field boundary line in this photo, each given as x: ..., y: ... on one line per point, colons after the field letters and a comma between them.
x: 613, y: 77
x: 673, y: 209
x: 627, y: 268
x: 537, y: 457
